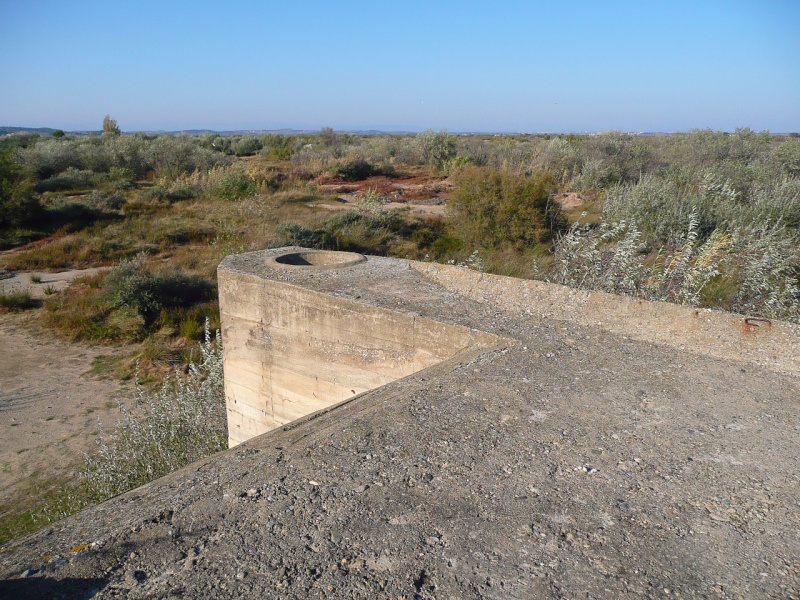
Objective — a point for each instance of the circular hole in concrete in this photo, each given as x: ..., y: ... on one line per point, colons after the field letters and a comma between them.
x: 319, y: 259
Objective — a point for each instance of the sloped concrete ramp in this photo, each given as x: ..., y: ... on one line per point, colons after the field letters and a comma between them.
x: 581, y: 460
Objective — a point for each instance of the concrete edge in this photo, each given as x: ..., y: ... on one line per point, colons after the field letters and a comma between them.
x: 768, y: 343
x: 462, y: 357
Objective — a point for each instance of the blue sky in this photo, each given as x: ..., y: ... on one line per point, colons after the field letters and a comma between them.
x: 518, y: 66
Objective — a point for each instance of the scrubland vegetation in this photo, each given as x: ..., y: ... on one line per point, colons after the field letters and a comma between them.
x: 702, y: 218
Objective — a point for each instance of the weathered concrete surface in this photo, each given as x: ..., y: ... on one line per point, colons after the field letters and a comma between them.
x: 574, y: 463
x: 291, y: 351
x: 729, y: 336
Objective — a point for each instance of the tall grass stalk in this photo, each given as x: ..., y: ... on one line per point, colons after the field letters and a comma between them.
x: 182, y: 422
x: 761, y: 261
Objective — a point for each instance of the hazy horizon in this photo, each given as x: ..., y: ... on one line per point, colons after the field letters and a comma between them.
x: 289, y: 131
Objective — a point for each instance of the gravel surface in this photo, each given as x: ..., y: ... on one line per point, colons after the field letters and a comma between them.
x: 571, y: 463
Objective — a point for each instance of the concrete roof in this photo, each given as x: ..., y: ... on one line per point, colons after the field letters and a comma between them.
x: 577, y: 460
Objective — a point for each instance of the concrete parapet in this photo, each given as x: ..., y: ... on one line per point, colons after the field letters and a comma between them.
x: 723, y: 335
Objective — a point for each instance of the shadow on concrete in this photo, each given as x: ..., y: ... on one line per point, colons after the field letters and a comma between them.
x: 35, y: 588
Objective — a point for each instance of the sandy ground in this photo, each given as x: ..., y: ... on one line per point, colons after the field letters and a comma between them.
x: 56, y: 281
x: 51, y: 406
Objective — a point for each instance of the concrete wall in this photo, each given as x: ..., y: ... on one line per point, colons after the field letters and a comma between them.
x: 290, y: 351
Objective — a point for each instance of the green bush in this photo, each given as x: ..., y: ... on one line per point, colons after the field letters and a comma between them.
x: 788, y: 157
x: 276, y: 147
x: 50, y: 157
x: 777, y: 202
x: 233, y: 184
x: 596, y: 174
x: 661, y: 207
x: 360, y: 169
x: 18, y: 203
x: 16, y: 301
x: 371, y: 232
x: 294, y: 234
x: 68, y: 180
x: 247, y: 145
x: 752, y: 268
x: 182, y: 190
x: 766, y: 265
x: 104, y: 202
x: 492, y: 208
x: 437, y: 149
x: 173, y: 155
x: 132, y: 286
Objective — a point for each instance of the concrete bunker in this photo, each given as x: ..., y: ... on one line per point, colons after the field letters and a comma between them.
x: 291, y: 351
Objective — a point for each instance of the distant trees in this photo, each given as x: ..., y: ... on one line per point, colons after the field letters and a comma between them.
x: 110, y: 125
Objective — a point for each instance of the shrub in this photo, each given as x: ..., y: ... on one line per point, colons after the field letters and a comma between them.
x: 755, y: 267
x: 459, y: 163
x: 183, y: 422
x: 294, y: 234
x: 130, y: 285
x: 613, y: 258
x: 50, y: 157
x: 370, y: 202
x: 360, y: 169
x: 16, y: 301
x: 355, y: 170
x: 246, y: 145
x: 788, y: 156
x: 172, y: 155
x: 776, y: 202
x: 595, y: 174
x: 660, y: 207
x: 492, y: 208
x: 18, y: 204
x: 233, y: 184
x: 69, y: 179
x: 364, y: 232
x: 276, y: 147
x: 104, y: 202
x: 768, y: 260
x: 437, y: 149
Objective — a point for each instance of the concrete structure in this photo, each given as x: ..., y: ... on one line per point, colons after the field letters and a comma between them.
x: 567, y: 445
x: 291, y: 351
